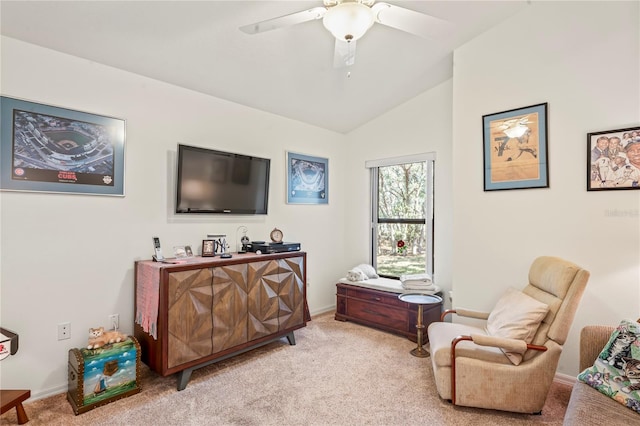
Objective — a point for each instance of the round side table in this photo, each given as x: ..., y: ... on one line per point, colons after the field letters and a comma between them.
x: 420, y: 300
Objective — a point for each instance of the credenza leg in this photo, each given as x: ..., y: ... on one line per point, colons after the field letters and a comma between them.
x: 183, y: 378
x: 22, y: 415
x: 291, y: 338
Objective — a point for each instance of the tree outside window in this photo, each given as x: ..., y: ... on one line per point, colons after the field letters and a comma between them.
x: 403, y: 226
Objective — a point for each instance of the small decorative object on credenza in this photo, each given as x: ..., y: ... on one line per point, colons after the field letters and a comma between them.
x: 208, y: 248
x: 220, y: 243
x: 179, y: 252
x: 100, y: 376
x: 157, y: 250
x: 276, y: 236
x: 244, y: 241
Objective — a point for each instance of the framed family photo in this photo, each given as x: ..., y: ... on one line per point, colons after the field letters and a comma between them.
x: 208, y: 248
x: 307, y: 179
x: 613, y: 159
x: 515, y: 149
x: 44, y: 148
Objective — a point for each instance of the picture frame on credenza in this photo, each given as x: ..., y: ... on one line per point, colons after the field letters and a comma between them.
x: 208, y: 248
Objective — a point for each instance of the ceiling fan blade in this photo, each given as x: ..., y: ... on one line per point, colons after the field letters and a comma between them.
x: 285, y: 21
x: 410, y: 21
x: 344, y: 54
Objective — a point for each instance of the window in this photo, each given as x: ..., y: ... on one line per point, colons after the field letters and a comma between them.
x: 402, y: 215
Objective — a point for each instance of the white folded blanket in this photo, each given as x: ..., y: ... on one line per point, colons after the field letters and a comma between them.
x: 432, y: 289
x: 415, y: 279
x: 418, y: 286
x: 387, y: 284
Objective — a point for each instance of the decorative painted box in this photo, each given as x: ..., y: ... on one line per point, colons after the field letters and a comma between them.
x: 100, y: 376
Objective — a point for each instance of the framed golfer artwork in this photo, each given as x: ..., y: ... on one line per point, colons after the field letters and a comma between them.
x: 515, y: 149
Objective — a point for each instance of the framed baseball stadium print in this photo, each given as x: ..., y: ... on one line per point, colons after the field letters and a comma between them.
x: 515, y: 149
x: 307, y: 179
x: 613, y: 159
x: 45, y: 148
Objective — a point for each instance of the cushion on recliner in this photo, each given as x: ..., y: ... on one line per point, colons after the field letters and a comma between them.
x: 516, y: 316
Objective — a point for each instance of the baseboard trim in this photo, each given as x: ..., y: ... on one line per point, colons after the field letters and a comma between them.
x: 564, y: 379
x: 323, y: 310
x: 48, y: 392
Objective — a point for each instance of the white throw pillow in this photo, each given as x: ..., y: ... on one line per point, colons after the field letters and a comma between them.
x: 516, y: 316
x: 356, y: 274
x: 368, y: 270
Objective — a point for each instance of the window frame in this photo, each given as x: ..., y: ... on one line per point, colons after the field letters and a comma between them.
x: 429, y: 222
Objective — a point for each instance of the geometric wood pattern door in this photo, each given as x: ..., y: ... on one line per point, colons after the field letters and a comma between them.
x: 229, y: 306
x: 264, y: 286
x: 213, y: 309
x: 190, y: 321
x: 291, y: 295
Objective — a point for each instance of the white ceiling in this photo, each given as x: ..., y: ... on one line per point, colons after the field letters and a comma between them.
x: 289, y: 72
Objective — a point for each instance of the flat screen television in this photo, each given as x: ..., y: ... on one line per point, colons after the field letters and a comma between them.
x: 210, y: 181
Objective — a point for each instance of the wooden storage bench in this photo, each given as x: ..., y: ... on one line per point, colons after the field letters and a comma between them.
x: 378, y: 306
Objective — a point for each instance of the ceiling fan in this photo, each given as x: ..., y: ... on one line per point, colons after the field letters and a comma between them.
x: 349, y: 20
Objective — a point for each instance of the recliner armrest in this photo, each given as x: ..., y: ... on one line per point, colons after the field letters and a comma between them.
x: 464, y: 312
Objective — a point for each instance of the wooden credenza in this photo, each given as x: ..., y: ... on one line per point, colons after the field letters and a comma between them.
x: 210, y: 309
x: 382, y: 310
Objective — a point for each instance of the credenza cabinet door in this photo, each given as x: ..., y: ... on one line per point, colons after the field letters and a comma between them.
x: 291, y: 295
x: 230, y: 292
x: 190, y: 321
x: 264, y: 288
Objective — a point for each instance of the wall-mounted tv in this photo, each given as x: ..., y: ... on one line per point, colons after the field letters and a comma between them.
x: 210, y: 181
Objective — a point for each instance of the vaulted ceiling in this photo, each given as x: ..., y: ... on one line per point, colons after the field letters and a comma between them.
x: 288, y: 71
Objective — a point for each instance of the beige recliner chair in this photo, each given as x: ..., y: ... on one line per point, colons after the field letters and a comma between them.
x: 481, y: 365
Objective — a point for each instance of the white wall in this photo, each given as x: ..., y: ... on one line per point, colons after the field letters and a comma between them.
x: 584, y: 60
x: 71, y: 257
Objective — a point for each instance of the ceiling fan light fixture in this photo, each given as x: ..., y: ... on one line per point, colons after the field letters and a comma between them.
x: 348, y: 21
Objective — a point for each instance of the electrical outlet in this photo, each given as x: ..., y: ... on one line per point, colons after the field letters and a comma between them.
x: 114, y: 321
x: 64, y: 331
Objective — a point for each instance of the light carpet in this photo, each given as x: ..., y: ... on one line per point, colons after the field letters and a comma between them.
x: 338, y: 373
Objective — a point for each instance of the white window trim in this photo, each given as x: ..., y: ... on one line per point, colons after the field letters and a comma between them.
x: 394, y: 161
x: 429, y: 158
